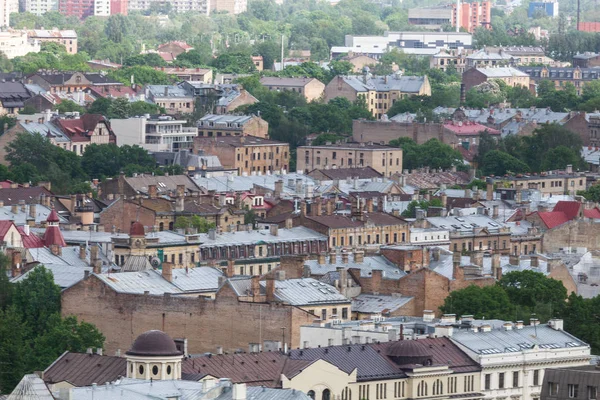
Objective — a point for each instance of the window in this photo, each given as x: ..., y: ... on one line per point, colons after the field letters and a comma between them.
x: 422, y: 389
x: 347, y: 394
x: 438, y: 387
x: 552, y: 388
x: 592, y: 392
x: 501, y: 380
x: 536, y: 377
x: 516, y: 379
x: 488, y: 381
x: 381, y: 390
x: 398, y: 389
x: 345, y: 313
x: 324, y: 314
x: 363, y: 392
x: 573, y: 389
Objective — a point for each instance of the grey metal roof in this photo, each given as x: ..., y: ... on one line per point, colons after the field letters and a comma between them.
x: 298, y: 233
x: 390, y: 270
x: 224, y: 119
x: 44, y: 129
x: 64, y: 275
x: 21, y: 217
x: 510, y: 341
x: 136, y: 263
x: 406, y: 84
x: 139, y: 282
x: 31, y: 387
x: 173, y: 91
x: 465, y: 223
x: 199, y: 279
x: 307, y: 292
x: 377, y: 304
x: 501, y: 72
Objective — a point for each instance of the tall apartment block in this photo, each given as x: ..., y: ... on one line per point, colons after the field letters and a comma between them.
x: 6, y: 8
x: 473, y: 15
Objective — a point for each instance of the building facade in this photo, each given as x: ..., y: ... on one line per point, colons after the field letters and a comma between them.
x: 310, y: 88
x: 212, y: 125
x: 511, y: 76
x: 383, y: 159
x: 67, y: 38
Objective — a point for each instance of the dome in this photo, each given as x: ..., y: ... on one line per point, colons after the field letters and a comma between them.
x: 137, y: 229
x: 405, y: 352
x: 154, y: 343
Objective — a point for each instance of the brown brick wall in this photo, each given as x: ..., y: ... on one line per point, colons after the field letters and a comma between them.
x: 384, y: 131
x: 408, y: 260
x: 123, y: 213
x: 579, y: 125
x: 573, y: 234
x: 206, y: 324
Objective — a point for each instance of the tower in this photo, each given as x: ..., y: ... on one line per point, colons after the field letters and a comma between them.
x: 53, y: 237
x: 154, y: 355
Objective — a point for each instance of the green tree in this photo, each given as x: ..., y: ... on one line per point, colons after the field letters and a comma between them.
x: 69, y: 106
x: 234, y: 63
x: 411, y: 210
x: 323, y: 138
x: 101, y: 161
x: 100, y: 106
x: 489, y: 302
x: 559, y: 157
x: 37, y: 298
x: 593, y: 193
x: 498, y: 163
x: 201, y: 224
x: 119, y: 108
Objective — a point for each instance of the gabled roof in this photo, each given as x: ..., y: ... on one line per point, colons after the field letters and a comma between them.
x: 570, y: 208
x: 81, y: 369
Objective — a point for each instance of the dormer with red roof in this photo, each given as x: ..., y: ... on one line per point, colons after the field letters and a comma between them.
x: 53, y: 237
x: 85, y: 130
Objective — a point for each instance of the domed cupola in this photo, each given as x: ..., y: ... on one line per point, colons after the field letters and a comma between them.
x: 410, y: 352
x: 154, y: 355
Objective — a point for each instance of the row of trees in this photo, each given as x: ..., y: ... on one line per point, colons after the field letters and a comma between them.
x: 33, y: 158
x: 521, y: 294
x: 32, y: 332
x: 550, y: 147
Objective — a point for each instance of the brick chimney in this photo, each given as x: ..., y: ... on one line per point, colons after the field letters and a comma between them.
x: 370, y: 205
x: 95, y: 260
x: 16, y: 264
x: 270, y: 290
x: 33, y: 210
x: 496, y: 267
x: 152, y: 191
x: 376, y: 278
x: 255, y: 286
x: 180, y: 190
x: 345, y: 257
x: 56, y: 249
x: 359, y: 256
x: 322, y: 258
x: 82, y: 252
x: 457, y: 271
x: 167, y: 272
x: 230, y: 268
x: 332, y: 257
x: 329, y: 207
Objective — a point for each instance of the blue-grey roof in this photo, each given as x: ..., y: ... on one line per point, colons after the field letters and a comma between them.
x: 465, y: 223
x: 377, y: 304
x: 406, y: 84
x: 172, y: 91
x: 510, y: 341
x: 224, y: 119
x: 64, y: 275
x: 199, y: 279
x: 306, y: 292
x: 139, y: 282
x: 21, y: 217
x: 44, y: 129
x: 31, y: 387
x: 298, y: 233
x: 501, y: 72
x: 389, y: 269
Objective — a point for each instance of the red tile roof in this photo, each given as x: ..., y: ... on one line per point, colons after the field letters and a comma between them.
x: 113, y: 91
x: 469, y: 128
x: 4, y: 227
x: 553, y: 218
x: 53, y: 216
x: 80, y: 129
x: 30, y: 241
x: 594, y: 213
x: 570, y: 208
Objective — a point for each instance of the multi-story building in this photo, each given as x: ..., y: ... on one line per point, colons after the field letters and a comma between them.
x: 379, y: 92
x: 212, y: 125
x: 383, y: 159
x: 446, y: 59
x: 511, y: 76
x: 40, y: 7
x: 71, y: 82
x: 430, y: 17
x: 515, y: 357
x: 579, y: 77
x: 67, y: 38
x: 118, y: 7
x: 586, y: 60
x: 310, y: 88
x: 418, y: 43
x: 575, y: 383
x: 76, y: 8
x: 231, y: 6
x: 218, y: 98
x: 17, y: 44
x: 543, y: 8
x: 473, y: 15
x: 178, y: 6
x: 247, y: 154
x: 102, y: 8
x: 154, y: 133
x: 6, y: 8
x: 175, y: 99
x: 12, y: 97
x: 508, y: 56
x: 204, y: 75
x: 548, y: 183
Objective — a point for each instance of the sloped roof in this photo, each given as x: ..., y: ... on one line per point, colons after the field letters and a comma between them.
x: 81, y: 369
x: 31, y: 387
x: 570, y: 208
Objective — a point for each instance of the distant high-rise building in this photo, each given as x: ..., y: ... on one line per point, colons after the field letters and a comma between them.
x: 118, y: 7
x: 231, y: 6
x: 544, y: 8
x: 473, y: 15
x: 40, y: 7
x: 6, y: 8
x: 179, y: 6
x: 102, y: 8
x: 77, y: 8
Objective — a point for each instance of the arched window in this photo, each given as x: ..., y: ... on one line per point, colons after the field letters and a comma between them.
x: 347, y: 394
x: 326, y: 395
x: 422, y: 389
x: 311, y: 394
x: 438, y: 387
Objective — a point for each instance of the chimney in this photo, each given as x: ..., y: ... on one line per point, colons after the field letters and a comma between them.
x: 345, y: 257
x: 489, y: 189
x: 556, y: 324
x: 95, y: 260
x: 376, y: 278
x: 278, y: 188
x: 239, y: 391
x: 444, y: 200
x: 534, y: 321
x: 495, y: 210
x: 180, y: 190
x: 303, y: 208
x: 370, y: 205
x: 359, y: 256
x: 534, y: 261
x: 152, y: 191
x: 332, y: 257
x: 519, y: 325
x: 457, y: 271
x: 16, y: 266
x: 343, y: 277
x: 477, y: 258
x: 329, y: 207
x: 569, y: 169
x: 322, y: 258
x: 14, y: 208
x: 270, y: 289
x: 513, y: 259
x: 82, y: 252
x: 428, y: 315
x: 33, y: 210
x: 56, y: 249
x: 317, y: 207
x: 507, y: 326
x: 274, y: 230
x: 255, y: 286
x: 167, y: 272
x: 496, y: 267
x: 230, y: 268
x: 289, y: 223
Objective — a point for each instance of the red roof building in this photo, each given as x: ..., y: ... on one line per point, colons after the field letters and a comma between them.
x: 564, y: 211
x: 468, y: 128
x: 53, y: 236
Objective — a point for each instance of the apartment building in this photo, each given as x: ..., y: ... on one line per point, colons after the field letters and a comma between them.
x: 247, y: 154
x: 77, y: 8
x: 383, y: 159
x: 510, y: 76
x: 212, y: 125
x: 17, y: 44
x: 379, y: 92
x: 310, y: 88
x: 67, y: 38
x: 471, y: 16
x: 579, y: 77
x: 511, y: 55
x: 6, y: 8
x: 548, y: 183
x: 40, y: 7
x: 175, y: 99
x: 178, y: 6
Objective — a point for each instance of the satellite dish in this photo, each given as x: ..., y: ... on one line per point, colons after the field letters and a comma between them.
x: 155, y: 262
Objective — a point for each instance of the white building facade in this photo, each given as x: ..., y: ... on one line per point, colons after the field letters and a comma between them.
x: 16, y: 44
